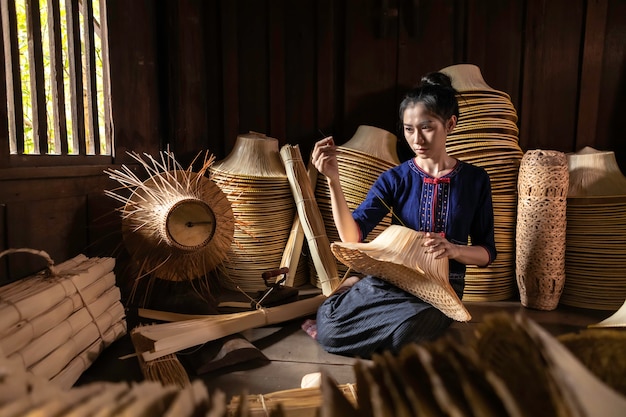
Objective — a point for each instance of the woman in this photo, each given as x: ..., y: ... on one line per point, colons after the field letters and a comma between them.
x: 432, y: 192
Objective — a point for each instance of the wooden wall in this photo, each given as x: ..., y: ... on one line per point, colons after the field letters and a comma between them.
x: 193, y: 74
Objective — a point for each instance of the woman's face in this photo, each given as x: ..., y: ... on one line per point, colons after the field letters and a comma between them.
x: 425, y: 132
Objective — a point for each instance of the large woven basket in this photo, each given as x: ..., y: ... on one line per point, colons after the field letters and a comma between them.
x: 543, y: 182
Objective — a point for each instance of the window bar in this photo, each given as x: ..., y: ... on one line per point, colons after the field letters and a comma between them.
x: 106, y: 83
x: 56, y: 77
x: 93, y: 140
x: 37, y: 88
x: 76, y: 76
x: 13, y: 81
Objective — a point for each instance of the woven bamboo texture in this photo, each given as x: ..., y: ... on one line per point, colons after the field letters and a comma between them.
x: 541, y: 228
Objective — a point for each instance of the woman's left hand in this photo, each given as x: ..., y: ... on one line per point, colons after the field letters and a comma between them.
x: 440, y: 246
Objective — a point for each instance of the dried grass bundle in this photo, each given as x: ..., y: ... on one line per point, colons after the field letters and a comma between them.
x: 311, y: 218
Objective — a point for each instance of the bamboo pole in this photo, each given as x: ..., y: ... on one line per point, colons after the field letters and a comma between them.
x: 311, y: 218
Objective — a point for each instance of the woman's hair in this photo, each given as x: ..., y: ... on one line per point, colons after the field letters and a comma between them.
x: 436, y: 93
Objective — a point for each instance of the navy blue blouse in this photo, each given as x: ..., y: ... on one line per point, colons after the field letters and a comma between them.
x: 458, y: 204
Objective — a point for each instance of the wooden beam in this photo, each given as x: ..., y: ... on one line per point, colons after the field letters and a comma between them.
x: 591, y: 73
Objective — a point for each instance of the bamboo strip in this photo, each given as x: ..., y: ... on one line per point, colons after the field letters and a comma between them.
x: 16, y: 308
x: 298, y: 402
x: 49, y: 341
x: 110, y: 395
x: 192, y: 330
x: 68, y: 376
x: 58, y: 405
x: 54, y: 362
x: 311, y: 218
x: 52, y: 339
x: 23, y: 332
x: 188, y: 400
x: 293, y: 250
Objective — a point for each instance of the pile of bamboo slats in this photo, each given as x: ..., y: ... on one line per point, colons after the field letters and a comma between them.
x: 57, y: 324
x: 24, y: 394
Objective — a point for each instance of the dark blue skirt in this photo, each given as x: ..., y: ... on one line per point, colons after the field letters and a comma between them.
x: 373, y: 316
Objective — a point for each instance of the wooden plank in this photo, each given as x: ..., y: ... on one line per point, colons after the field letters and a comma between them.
x: 37, y: 87
x: 135, y: 89
x: 371, y: 62
x: 328, y: 40
x: 4, y: 271
x: 300, y: 63
x: 278, y: 37
x: 15, y: 108
x: 591, y: 73
x: 609, y: 134
x: 230, y: 71
x: 551, y: 67
x: 106, y: 81
x: 253, y: 48
x: 494, y: 43
x: 57, y: 226
x: 4, y: 111
x: 57, y: 89
x: 187, y: 104
x: 76, y: 77
x: 92, y: 133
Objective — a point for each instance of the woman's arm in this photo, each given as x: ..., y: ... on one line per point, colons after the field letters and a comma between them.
x: 324, y: 158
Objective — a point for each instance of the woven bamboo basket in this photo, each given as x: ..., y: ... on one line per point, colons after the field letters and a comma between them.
x: 541, y: 228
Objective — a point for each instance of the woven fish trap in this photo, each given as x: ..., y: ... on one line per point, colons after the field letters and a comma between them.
x: 543, y: 182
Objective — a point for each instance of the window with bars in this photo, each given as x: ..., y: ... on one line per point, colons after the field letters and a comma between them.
x: 57, y: 84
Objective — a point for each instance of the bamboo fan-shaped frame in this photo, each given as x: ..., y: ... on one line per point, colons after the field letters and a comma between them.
x: 178, y: 224
x: 398, y: 256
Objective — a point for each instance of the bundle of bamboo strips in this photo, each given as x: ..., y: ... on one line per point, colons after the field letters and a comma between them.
x: 310, y: 218
x: 297, y: 402
x: 24, y: 394
x: 55, y: 325
x: 187, y: 330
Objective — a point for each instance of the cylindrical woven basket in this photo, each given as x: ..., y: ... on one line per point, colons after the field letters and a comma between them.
x: 543, y: 182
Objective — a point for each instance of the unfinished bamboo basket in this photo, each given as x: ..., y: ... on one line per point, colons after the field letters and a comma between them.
x: 177, y: 224
x: 541, y: 228
x: 253, y: 178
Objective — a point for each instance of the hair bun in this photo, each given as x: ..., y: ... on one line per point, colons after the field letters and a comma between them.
x: 436, y: 78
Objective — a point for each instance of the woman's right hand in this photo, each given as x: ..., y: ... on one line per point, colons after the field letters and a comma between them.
x: 324, y: 158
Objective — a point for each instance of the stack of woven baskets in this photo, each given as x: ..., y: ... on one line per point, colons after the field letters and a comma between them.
x: 255, y: 182
x: 487, y: 135
x: 595, y: 257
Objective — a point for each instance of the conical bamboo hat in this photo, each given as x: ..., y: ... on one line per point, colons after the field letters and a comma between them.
x: 595, y: 173
x: 398, y: 256
x: 375, y: 142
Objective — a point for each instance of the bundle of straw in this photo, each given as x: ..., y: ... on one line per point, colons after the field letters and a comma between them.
x: 55, y: 326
